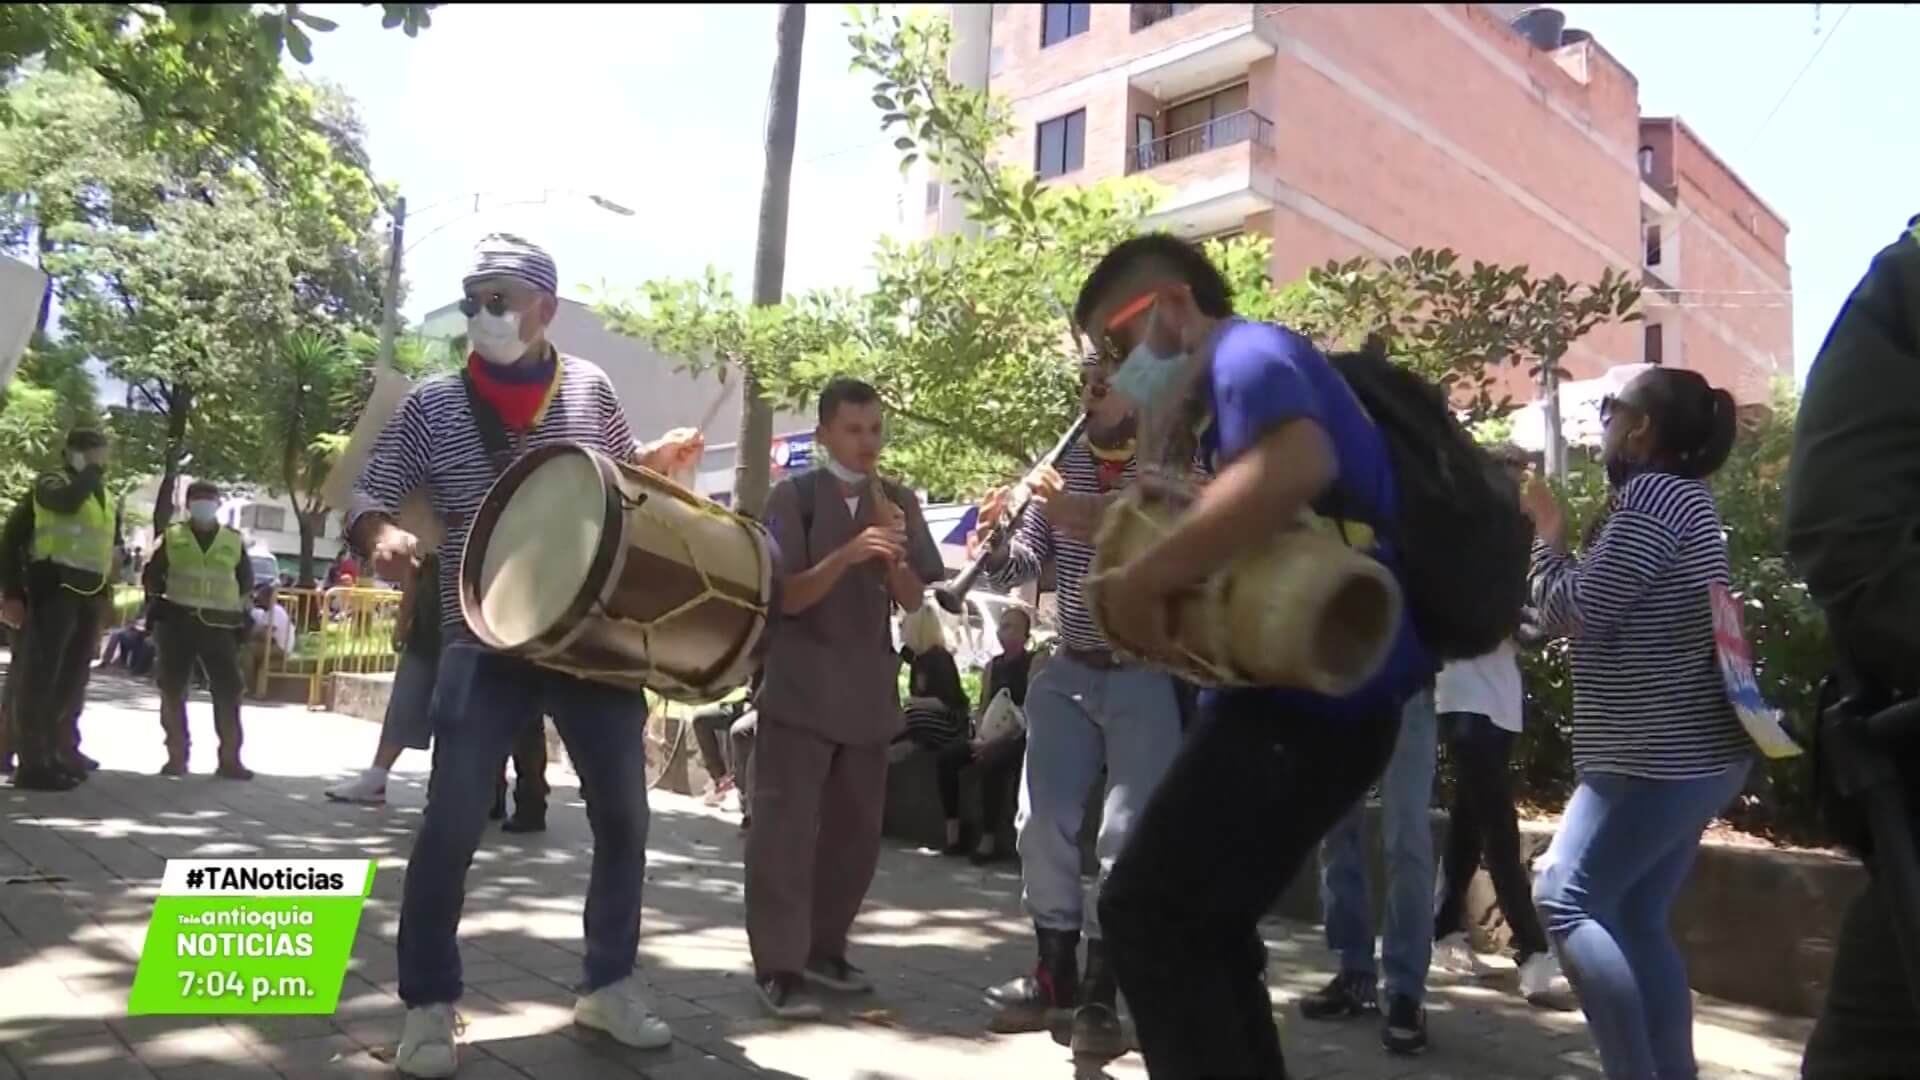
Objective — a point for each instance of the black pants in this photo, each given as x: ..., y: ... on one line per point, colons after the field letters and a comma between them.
x: 185, y: 637
x: 998, y: 763
x: 1870, y: 1026
x: 709, y: 725
x: 529, y: 756
x: 52, y: 660
x: 1240, y: 811
x: 1483, y: 826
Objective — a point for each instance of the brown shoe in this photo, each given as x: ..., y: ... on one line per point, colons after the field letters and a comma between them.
x: 233, y: 770
x: 174, y: 767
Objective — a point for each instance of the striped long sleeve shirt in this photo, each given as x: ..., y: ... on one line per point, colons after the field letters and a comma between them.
x: 1036, y: 541
x: 432, y: 441
x: 1648, y: 697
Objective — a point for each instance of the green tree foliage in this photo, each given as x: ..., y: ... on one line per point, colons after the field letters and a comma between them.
x: 189, y: 276
x: 966, y: 336
x: 204, y: 77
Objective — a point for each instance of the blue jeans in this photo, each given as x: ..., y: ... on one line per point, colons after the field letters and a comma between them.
x: 481, y: 700
x: 1617, y: 864
x: 1079, y: 718
x: 1406, y: 827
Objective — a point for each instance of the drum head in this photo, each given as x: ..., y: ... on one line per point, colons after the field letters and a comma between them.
x: 541, y: 550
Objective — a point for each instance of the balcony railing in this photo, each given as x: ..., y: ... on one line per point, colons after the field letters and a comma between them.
x: 1243, y: 126
x: 1145, y: 15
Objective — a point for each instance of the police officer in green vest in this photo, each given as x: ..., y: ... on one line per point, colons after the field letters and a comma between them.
x: 200, y: 578
x: 56, y: 560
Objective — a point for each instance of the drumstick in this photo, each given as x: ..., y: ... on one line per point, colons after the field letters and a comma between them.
x: 688, y: 475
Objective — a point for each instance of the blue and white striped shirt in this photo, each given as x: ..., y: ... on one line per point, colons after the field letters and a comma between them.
x: 1648, y: 696
x: 1036, y: 540
x: 432, y: 441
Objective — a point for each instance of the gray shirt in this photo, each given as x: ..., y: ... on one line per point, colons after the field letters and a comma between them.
x: 831, y: 669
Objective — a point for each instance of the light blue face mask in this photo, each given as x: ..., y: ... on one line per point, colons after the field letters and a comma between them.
x: 1144, y: 377
x: 843, y: 474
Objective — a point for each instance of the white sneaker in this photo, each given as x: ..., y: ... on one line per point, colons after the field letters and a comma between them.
x: 361, y: 789
x: 622, y: 1011
x: 426, y: 1042
x: 1455, y: 953
x: 1541, y: 979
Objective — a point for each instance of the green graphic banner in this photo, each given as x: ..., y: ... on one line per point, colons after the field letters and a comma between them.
x: 242, y: 937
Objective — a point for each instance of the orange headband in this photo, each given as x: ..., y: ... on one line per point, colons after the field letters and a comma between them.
x: 1133, y: 307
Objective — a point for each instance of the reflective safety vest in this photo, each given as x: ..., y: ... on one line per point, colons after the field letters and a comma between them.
x: 81, y: 540
x: 204, y: 579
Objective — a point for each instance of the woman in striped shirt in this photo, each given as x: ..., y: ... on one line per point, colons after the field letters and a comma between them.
x: 1656, y: 744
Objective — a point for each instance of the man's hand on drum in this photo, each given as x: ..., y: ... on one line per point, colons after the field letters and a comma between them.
x: 676, y: 450
x: 395, y: 554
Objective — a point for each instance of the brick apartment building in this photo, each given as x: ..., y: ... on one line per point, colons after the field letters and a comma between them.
x: 1345, y: 130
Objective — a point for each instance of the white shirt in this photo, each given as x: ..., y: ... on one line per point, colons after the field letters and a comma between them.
x: 1488, y: 685
x: 282, y: 625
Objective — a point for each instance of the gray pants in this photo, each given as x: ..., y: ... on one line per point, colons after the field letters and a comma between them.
x: 1078, y: 719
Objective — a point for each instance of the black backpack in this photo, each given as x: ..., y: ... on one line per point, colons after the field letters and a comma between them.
x: 1463, y: 542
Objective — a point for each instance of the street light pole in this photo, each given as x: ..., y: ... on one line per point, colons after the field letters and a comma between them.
x: 390, y: 315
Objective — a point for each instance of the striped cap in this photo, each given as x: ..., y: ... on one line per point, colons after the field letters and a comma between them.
x: 507, y: 255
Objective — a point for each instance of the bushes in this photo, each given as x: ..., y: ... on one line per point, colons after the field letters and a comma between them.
x: 1788, y: 635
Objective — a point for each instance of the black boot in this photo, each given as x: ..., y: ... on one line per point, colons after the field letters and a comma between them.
x: 1097, y: 1035
x: 1030, y: 1002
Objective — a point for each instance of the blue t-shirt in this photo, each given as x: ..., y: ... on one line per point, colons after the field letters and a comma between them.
x: 1263, y: 376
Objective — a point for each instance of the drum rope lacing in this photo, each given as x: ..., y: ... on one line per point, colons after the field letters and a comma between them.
x: 708, y: 590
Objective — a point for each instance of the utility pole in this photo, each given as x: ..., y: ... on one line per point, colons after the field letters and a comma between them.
x: 390, y: 314
x: 753, y: 462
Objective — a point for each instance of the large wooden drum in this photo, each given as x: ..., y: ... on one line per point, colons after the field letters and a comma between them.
x: 1302, y: 611
x: 614, y: 573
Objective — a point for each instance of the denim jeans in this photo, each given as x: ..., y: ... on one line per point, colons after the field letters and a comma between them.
x: 481, y: 700
x: 1623, y: 851
x: 1079, y: 718
x: 1406, y: 827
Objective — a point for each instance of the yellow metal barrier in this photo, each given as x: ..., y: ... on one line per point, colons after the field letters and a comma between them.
x: 343, y: 631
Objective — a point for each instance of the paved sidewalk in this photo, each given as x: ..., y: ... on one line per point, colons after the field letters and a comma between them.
x: 79, y: 871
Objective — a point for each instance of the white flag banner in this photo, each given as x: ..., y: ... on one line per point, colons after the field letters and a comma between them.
x: 22, y: 287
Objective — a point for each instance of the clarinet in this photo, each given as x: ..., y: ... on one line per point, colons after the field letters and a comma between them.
x: 952, y: 596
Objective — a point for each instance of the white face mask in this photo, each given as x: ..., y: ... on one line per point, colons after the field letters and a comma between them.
x: 496, y: 337
x: 202, y: 511
x: 1143, y: 379
x: 843, y: 474
x: 77, y: 461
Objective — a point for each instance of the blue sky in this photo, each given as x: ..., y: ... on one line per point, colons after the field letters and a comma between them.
x: 661, y: 108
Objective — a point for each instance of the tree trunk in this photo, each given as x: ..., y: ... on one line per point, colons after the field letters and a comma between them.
x: 179, y: 410
x: 754, y: 450
x: 306, y: 520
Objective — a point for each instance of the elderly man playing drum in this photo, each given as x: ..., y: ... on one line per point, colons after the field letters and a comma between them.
x: 452, y: 437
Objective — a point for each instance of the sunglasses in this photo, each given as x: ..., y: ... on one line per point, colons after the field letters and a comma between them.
x: 494, y: 301
x: 1612, y: 406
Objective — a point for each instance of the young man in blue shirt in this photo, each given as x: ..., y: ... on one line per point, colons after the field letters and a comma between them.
x: 1265, y: 772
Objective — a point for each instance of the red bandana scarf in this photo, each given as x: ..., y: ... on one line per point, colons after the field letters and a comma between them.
x: 519, y: 395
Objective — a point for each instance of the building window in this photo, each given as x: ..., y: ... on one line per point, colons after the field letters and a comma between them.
x: 1058, y: 22
x: 933, y: 196
x: 1646, y: 161
x: 264, y: 518
x: 1655, y: 345
x: 1145, y: 15
x: 1653, y: 245
x: 1061, y: 145
x: 1144, y: 136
